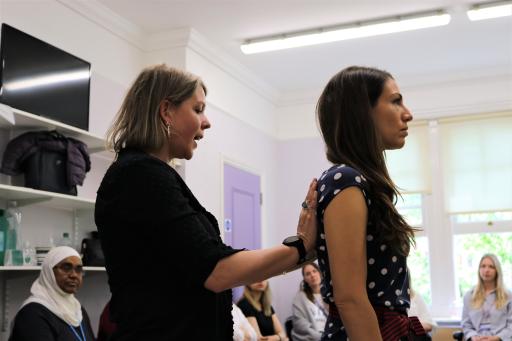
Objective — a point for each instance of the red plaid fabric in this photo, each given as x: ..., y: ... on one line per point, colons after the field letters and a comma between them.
x: 394, y: 325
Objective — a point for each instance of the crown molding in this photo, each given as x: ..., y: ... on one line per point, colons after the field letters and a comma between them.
x: 182, y: 37
x: 190, y: 38
x: 108, y: 19
x: 463, y: 110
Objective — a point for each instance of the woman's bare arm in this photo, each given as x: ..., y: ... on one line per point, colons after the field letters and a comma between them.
x: 345, y: 232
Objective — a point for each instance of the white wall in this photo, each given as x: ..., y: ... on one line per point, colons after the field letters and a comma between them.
x: 479, y: 91
x: 115, y: 62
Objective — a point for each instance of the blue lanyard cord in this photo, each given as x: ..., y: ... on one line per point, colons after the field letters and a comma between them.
x: 76, y: 334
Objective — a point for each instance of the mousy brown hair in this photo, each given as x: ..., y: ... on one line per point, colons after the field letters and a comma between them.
x: 138, y: 123
x: 350, y: 135
x: 305, y: 286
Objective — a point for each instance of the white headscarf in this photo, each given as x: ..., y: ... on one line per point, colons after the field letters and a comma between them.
x: 47, y: 292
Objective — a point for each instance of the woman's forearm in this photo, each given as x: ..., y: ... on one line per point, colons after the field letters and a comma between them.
x: 247, y: 267
x: 359, y: 319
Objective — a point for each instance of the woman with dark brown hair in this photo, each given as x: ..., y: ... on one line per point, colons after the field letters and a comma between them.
x: 363, y: 241
x: 309, y: 311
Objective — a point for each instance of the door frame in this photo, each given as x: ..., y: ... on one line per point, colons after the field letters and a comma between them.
x: 227, y: 160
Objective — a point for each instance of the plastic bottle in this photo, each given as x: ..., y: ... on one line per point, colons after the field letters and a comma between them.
x: 65, y: 240
x: 13, y: 216
x: 29, y: 254
x: 4, y: 227
x: 13, y: 253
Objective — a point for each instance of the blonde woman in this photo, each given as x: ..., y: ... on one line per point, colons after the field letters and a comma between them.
x: 143, y: 204
x: 257, y: 307
x: 487, y: 312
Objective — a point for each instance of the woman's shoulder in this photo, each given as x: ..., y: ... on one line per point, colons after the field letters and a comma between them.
x: 336, y: 179
x: 34, y: 311
x: 469, y: 294
x: 339, y: 175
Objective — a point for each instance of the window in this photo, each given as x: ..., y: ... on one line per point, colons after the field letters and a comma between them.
x: 469, y: 248
x: 419, y: 267
x: 410, y: 207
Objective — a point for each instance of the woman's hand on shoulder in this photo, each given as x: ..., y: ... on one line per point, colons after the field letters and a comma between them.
x: 308, y: 225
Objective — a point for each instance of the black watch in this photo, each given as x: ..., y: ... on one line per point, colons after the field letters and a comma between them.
x: 295, y: 241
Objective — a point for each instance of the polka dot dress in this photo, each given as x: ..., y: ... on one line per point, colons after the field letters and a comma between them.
x: 386, y: 282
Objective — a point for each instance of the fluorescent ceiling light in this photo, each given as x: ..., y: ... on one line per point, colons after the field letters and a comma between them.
x: 490, y: 10
x: 345, y: 32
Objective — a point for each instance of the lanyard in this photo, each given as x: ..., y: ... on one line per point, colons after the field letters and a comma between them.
x: 76, y: 334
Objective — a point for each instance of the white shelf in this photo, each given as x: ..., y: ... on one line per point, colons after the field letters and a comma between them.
x: 27, y: 196
x: 14, y: 118
x: 38, y: 268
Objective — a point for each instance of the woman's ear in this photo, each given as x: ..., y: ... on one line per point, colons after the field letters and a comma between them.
x: 165, y: 111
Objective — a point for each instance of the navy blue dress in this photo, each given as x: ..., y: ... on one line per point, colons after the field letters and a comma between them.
x: 386, y: 283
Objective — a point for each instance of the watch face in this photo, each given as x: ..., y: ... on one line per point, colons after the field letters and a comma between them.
x: 291, y: 240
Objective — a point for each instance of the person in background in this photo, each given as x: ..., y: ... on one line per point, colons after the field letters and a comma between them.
x: 106, y: 327
x: 256, y: 304
x: 363, y: 240
x: 52, y: 313
x: 419, y: 308
x: 157, y: 238
x: 309, y: 311
x: 487, y: 311
x: 242, y: 329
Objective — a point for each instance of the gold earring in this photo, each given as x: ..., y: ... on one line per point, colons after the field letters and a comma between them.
x: 168, y: 131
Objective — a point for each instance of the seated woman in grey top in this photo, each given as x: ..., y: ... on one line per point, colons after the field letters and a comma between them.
x: 309, y: 312
x: 487, y: 312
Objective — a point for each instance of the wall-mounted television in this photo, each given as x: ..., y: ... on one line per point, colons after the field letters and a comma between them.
x: 41, y: 79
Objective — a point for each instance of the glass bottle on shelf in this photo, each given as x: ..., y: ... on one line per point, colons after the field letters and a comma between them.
x: 13, y: 253
x: 29, y: 254
x: 65, y: 240
x: 4, y: 227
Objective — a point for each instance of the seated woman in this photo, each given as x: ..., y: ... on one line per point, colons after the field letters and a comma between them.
x: 106, y: 327
x: 256, y: 306
x: 242, y: 329
x: 309, y: 311
x: 419, y: 309
x: 487, y: 312
x: 52, y: 313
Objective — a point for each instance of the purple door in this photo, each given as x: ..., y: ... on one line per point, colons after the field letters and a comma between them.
x: 242, y: 220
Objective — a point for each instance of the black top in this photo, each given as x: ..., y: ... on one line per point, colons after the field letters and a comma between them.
x: 386, y: 280
x: 160, y: 246
x: 265, y: 323
x: 35, y: 322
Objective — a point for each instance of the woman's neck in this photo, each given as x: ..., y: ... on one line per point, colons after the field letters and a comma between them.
x: 489, y: 287
x: 315, y: 289
x: 256, y: 295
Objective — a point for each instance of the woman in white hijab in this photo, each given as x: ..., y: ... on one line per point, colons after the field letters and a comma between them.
x: 52, y: 313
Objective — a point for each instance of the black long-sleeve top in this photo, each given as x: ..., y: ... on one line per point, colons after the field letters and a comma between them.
x: 35, y: 322
x: 160, y: 246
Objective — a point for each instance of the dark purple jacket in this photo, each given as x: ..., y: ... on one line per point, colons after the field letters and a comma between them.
x: 22, y: 147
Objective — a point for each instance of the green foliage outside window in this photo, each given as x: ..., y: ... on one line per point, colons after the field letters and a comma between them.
x: 419, y: 266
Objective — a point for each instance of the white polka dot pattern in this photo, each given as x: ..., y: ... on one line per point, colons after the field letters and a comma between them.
x: 384, y: 266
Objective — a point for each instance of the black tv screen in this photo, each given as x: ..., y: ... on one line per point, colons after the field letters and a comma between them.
x: 41, y: 79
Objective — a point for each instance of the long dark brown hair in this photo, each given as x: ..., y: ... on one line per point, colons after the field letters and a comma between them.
x: 305, y: 286
x: 350, y: 135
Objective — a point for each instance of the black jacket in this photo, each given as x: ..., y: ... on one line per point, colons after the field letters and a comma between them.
x: 26, y: 145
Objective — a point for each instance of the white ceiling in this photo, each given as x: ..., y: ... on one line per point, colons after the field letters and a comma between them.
x: 416, y: 57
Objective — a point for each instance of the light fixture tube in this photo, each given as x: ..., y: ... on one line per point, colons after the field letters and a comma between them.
x: 357, y: 30
x: 490, y: 11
